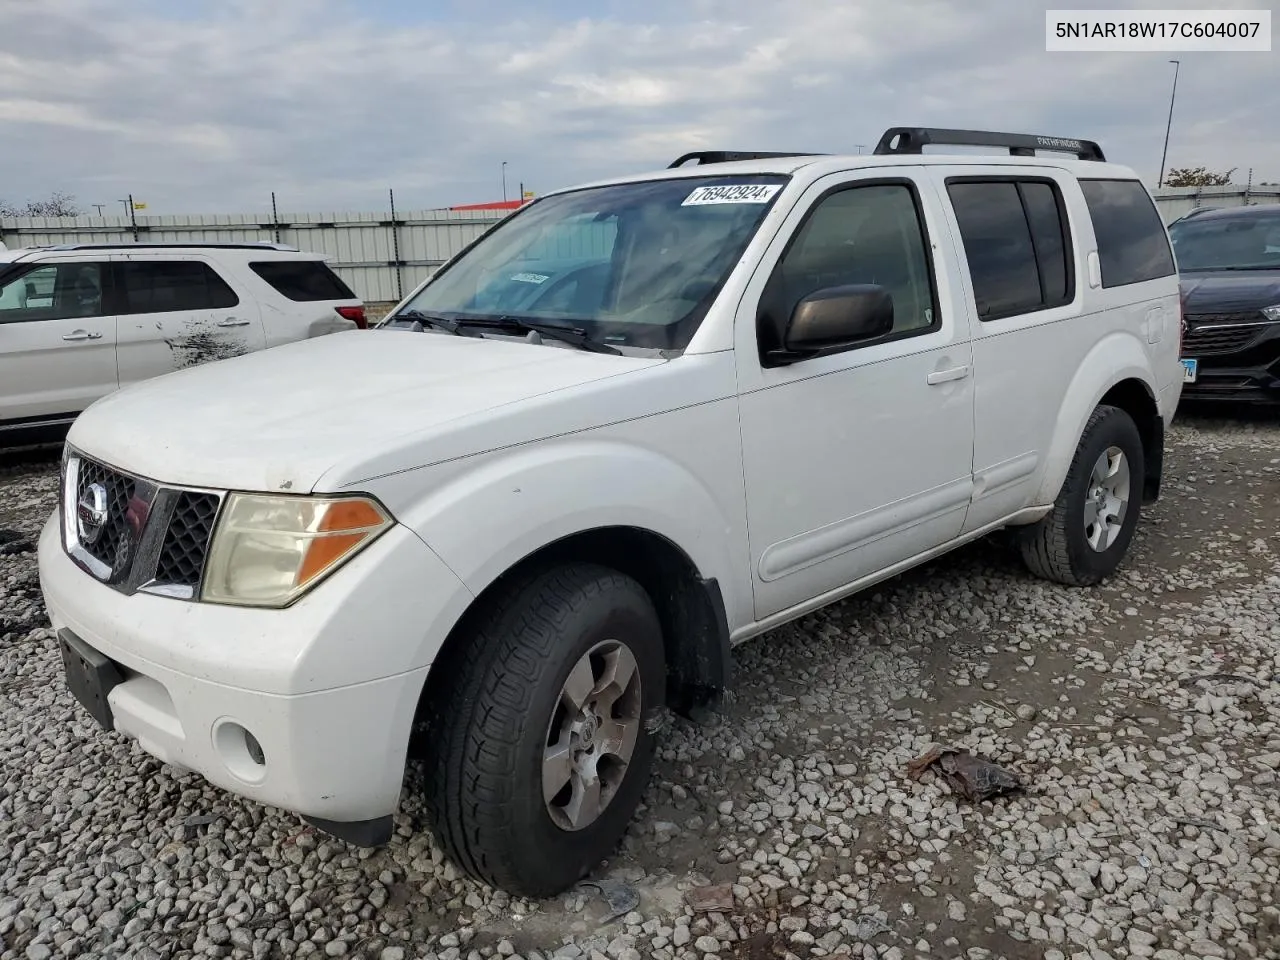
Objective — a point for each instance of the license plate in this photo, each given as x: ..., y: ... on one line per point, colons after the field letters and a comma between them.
x: 90, y: 677
x: 1189, y: 370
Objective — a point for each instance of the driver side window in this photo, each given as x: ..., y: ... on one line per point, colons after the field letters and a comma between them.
x: 870, y: 234
x: 58, y: 291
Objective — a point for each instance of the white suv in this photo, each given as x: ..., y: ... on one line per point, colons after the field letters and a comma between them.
x: 77, y: 322
x: 644, y: 420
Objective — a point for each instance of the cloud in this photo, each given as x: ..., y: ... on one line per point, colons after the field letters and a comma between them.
x: 208, y: 107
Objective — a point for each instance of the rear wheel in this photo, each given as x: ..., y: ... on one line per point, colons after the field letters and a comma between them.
x: 1086, y: 535
x: 538, y: 756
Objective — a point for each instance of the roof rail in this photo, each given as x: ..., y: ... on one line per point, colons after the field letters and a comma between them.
x: 910, y: 140
x: 728, y: 156
x: 244, y: 245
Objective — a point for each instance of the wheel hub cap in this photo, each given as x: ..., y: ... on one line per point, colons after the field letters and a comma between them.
x: 1107, y: 500
x: 592, y: 735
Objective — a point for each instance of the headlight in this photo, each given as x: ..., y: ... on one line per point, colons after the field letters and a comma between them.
x: 1272, y: 313
x: 267, y: 550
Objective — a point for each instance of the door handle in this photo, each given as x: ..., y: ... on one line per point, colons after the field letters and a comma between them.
x: 83, y: 335
x: 233, y: 322
x: 943, y: 376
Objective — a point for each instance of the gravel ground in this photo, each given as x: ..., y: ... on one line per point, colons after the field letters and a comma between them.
x: 1143, y: 716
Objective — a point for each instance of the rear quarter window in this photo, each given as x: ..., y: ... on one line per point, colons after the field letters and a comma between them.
x: 303, y: 279
x: 1132, y: 245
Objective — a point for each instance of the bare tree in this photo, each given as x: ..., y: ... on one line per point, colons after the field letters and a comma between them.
x: 1197, y: 177
x: 57, y: 205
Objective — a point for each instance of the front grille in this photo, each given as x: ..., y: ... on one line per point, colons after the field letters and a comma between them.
x: 1212, y: 333
x: 111, y: 543
x: 152, y: 538
x: 186, y: 542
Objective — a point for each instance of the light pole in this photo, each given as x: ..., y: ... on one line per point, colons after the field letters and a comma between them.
x: 504, y: 181
x: 1164, y: 156
x: 98, y: 207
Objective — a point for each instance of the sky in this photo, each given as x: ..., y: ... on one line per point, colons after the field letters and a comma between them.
x: 207, y: 106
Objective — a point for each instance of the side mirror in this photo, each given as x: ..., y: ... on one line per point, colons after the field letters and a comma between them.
x: 835, y: 319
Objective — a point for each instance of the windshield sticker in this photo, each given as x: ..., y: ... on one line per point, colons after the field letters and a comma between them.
x: 732, y: 193
x: 530, y: 278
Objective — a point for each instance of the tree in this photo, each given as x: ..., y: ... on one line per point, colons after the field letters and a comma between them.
x: 1197, y: 177
x: 57, y: 205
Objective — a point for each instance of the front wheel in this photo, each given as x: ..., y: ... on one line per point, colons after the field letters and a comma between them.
x: 538, y: 755
x: 1084, y: 538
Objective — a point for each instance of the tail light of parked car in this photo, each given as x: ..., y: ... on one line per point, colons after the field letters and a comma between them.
x: 355, y: 314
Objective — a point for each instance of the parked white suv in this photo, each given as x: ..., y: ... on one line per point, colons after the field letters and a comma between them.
x: 648, y: 419
x: 77, y: 322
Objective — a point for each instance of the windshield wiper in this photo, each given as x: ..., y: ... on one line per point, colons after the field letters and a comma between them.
x: 571, y: 335
x: 1252, y: 266
x: 443, y: 323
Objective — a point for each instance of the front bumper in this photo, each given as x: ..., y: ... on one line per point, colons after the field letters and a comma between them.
x: 1247, y: 372
x: 1259, y: 385
x: 328, y: 687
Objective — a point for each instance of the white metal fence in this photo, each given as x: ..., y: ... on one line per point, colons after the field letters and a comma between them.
x: 1175, y: 202
x: 382, y: 258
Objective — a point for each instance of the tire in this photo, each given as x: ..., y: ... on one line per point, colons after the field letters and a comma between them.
x: 1057, y: 547
x: 488, y: 738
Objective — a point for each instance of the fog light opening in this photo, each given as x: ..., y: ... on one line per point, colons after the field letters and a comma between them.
x: 255, y: 749
x: 240, y: 751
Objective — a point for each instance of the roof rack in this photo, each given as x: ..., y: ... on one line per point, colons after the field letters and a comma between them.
x: 262, y: 245
x: 729, y: 156
x: 911, y: 140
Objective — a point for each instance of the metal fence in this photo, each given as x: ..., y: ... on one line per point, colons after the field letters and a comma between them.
x: 383, y: 256
x: 380, y: 257
x: 1175, y: 202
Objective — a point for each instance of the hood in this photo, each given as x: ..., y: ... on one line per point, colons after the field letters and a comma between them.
x: 279, y: 418
x: 1230, y: 291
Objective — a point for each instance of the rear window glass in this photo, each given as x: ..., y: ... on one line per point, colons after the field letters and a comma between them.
x: 167, y: 286
x: 303, y: 279
x: 1132, y: 246
x: 998, y: 246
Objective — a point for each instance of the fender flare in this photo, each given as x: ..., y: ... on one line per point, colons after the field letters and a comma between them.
x: 527, y: 498
x: 1112, y: 360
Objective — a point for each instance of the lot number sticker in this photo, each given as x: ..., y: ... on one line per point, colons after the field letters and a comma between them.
x: 732, y: 193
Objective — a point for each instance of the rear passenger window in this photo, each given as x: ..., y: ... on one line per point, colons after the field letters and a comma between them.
x: 1132, y: 246
x: 1050, y: 239
x: 164, y: 286
x: 303, y: 279
x: 1016, y: 240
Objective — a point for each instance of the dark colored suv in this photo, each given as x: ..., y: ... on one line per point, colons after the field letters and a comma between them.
x: 1229, y: 261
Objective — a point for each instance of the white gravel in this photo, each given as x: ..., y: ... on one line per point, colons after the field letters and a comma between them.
x: 1144, y: 716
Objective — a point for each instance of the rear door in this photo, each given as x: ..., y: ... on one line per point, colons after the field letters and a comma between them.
x: 179, y: 311
x: 304, y: 298
x: 57, y: 341
x: 1021, y: 264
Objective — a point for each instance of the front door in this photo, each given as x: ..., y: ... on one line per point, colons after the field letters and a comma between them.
x: 57, y: 342
x: 176, y: 312
x: 860, y: 459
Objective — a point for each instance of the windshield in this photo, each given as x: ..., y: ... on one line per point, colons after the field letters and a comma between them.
x: 1229, y: 243
x: 634, y: 264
